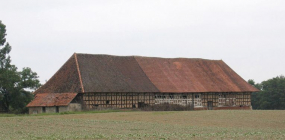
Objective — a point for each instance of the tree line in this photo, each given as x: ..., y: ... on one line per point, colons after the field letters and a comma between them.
x: 271, y: 95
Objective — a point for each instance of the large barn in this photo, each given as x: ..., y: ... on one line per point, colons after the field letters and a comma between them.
x: 88, y: 81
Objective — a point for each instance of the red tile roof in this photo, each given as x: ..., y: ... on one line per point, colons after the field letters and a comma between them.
x: 65, y: 80
x: 106, y: 73
x: 52, y: 99
x: 192, y: 75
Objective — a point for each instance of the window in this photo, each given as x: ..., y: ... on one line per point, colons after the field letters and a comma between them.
x: 184, y: 97
x: 107, y: 102
x: 197, y: 96
x: 171, y: 96
x: 222, y: 96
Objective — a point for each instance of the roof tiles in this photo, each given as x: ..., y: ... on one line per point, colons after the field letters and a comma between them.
x: 106, y: 73
x: 65, y: 80
x: 52, y: 99
x: 192, y: 75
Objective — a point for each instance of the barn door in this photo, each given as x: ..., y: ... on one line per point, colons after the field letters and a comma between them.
x: 57, y: 109
x: 210, y: 105
x: 141, y: 104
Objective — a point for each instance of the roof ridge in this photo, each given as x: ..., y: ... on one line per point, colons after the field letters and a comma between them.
x: 53, y: 74
x: 80, y: 78
x: 145, y: 73
x: 148, y: 56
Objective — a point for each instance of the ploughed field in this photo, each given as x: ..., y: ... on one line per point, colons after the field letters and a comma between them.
x: 226, y: 124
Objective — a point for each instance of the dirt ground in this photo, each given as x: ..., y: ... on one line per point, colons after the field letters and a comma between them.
x: 218, y: 124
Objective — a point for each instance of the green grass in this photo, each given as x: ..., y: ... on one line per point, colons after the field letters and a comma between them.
x: 109, y: 124
x: 61, y: 113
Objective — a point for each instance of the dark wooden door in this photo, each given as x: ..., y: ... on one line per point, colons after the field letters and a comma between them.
x: 57, y: 109
x: 141, y: 104
x: 210, y: 105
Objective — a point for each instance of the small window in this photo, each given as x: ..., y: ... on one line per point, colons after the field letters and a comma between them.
x: 163, y: 97
x: 222, y: 96
x: 184, y: 97
x: 44, y: 109
x: 171, y: 96
x: 107, y: 102
x: 197, y: 96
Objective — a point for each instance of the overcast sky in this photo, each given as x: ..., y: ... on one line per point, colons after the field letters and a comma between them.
x: 249, y: 35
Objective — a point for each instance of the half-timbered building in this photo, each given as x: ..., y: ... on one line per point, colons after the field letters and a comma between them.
x: 88, y: 81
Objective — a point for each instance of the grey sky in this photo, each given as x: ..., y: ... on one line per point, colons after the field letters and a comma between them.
x: 249, y: 35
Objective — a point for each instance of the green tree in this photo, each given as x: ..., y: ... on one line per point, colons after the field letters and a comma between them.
x: 272, y: 95
x: 15, y: 86
x: 255, y: 97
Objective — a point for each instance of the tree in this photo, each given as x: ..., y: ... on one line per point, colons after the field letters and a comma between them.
x: 272, y: 95
x: 15, y: 86
x: 255, y: 98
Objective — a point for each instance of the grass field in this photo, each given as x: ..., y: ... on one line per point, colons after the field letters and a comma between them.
x: 147, y: 125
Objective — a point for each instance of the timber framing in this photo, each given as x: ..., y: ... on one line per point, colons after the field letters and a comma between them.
x: 139, y: 100
x: 117, y: 100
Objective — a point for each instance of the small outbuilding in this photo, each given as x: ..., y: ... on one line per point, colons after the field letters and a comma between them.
x: 54, y: 103
x: 88, y: 81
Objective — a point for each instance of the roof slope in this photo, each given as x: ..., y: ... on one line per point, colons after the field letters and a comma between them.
x: 192, y: 75
x: 52, y: 99
x: 106, y: 73
x: 65, y: 80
